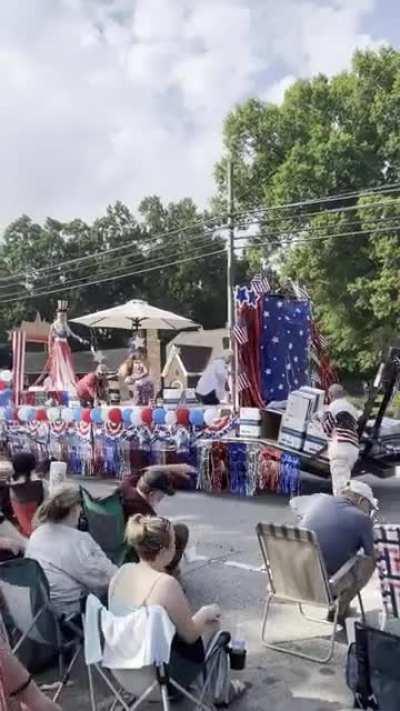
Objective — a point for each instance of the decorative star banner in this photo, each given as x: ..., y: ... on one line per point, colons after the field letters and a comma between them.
x: 285, y: 344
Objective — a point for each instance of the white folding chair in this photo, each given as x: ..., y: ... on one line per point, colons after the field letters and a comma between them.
x: 148, y: 676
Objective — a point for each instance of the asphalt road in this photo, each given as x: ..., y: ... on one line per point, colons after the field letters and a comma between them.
x: 224, y: 566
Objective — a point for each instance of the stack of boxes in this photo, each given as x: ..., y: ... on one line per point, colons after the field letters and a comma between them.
x: 298, y: 430
x: 250, y: 422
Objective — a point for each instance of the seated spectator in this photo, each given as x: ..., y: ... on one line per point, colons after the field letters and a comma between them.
x: 148, y: 583
x: 17, y: 688
x: 344, y: 528
x: 73, y: 563
x: 12, y: 544
x: 144, y: 498
x: 26, y: 469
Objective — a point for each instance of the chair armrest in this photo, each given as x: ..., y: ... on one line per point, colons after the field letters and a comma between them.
x: 346, y: 568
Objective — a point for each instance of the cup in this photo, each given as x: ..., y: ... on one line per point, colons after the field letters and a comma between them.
x: 237, y: 654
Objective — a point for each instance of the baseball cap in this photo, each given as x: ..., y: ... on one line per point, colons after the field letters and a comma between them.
x: 158, y: 481
x: 362, y: 489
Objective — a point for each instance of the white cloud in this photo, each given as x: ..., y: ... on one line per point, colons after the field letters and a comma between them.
x: 117, y: 99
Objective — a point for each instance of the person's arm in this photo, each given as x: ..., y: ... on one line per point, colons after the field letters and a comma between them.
x: 367, y: 537
x: 94, y: 569
x: 188, y: 626
x: 18, y: 685
x: 300, y: 505
x: 7, y: 530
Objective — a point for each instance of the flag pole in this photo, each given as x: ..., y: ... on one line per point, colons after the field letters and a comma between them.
x: 230, y: 273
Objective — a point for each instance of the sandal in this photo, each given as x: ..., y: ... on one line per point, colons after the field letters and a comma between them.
x: 236, y: 690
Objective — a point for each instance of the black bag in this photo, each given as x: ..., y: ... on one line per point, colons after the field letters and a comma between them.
x: 373, y: 669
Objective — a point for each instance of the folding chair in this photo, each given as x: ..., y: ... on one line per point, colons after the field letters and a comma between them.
x: 387, y: 548
x: 25, y: 500
x: 297, y: 574
x: 29, y: 615
x: 106, y: 524
x: 143, y: 680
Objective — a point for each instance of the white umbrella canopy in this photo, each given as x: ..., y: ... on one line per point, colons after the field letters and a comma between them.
x: 136, y: 314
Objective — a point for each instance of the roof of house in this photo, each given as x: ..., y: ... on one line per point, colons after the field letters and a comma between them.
x: 194, y: 358
x: 83, y: 360
x: 212, y: 339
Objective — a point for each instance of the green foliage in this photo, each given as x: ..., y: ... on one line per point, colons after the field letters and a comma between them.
x: 328, y: 137
x: 196, y: 289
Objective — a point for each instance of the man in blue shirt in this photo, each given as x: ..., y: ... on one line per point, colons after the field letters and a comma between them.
x: 344, y: 530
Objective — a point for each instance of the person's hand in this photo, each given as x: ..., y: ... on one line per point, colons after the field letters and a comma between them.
x: 36, y: 700
x: 10, y: 544
x: 211, y: 613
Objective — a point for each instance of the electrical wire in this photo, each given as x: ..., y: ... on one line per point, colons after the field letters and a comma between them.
x: 154, y: 239
x: 112, y: 264
x: 112, y: 278
x: 351, y: 233
x: 393, y: 187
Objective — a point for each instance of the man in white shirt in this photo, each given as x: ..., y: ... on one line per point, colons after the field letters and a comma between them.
x: 212, y: 386
x: 340, y: 423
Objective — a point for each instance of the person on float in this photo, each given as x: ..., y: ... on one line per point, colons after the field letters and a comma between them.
x: 92, y: 388
x: 60, y: 363
x: 135, y: 373
x: 340, y: 424
x: 145, y: 495
x: 213, y: 386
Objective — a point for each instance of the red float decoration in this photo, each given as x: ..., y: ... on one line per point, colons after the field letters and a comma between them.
x: 115, y: 416
x: 41, y: 415
x: 182, y: 416
x: 85, y: 416
x: 147, y: 416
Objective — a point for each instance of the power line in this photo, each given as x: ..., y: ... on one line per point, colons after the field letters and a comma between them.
x: 184, y: 228
x: 394, y: 187
x: 112, y: 278
x: 304, y: 240
x: 290, y: 240
x: 168, y: 250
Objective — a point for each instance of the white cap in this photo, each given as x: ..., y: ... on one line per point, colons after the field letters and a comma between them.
x: 362, y: 489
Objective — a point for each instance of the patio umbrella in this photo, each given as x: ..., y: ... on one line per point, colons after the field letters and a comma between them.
x: 136, y: 314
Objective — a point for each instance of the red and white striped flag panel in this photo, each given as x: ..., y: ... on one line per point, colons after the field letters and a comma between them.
x: 243, y: 382
x: 240, y: 334
x: 18, y: 347
x: 260, y: 284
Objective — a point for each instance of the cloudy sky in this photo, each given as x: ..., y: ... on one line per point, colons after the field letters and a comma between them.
x: 117, y: 99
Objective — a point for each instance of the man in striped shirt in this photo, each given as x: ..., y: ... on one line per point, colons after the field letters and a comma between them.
x: 340, y: 422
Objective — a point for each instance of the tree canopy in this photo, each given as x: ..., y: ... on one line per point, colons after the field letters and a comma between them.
x: 140, y: 246
x: 329, y: 137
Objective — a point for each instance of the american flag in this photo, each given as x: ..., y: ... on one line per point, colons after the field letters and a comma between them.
x: 260, y: 284
x: 18, y: 348
x: 299, y: 291
x: 243, y: 382
x: 240, y: 334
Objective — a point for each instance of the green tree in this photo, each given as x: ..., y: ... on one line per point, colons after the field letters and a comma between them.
x: 328, y: 137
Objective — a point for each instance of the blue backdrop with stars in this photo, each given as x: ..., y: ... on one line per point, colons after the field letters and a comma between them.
x: 284, y: 343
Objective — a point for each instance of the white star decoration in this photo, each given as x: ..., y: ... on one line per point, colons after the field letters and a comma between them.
x: 290, y: 346
x: 280, y: 304
x: 275, y: 339
x: 295, y: 359
x: 288, y: 367
x: 138, y: 341
x: 268, y: 371
x: 266, y: 313
x: 280, y: 387
x: 301, y: 332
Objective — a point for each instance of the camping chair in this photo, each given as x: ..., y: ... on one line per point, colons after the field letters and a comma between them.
x: 387, y: 548
x: 106, y: 524
x: 297, y: 574
x: 148, y: 676
x: 25, y: 499
x: 29, y: 615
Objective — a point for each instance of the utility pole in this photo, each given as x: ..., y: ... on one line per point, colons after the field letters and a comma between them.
x: 230, y: 279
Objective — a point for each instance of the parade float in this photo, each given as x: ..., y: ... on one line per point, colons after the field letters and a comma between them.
x: 282, y: 370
